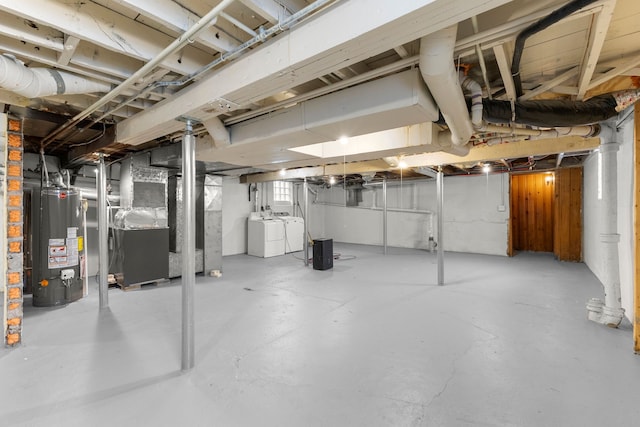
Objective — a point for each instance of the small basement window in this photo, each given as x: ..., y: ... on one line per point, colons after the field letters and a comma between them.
x: 281, y: 192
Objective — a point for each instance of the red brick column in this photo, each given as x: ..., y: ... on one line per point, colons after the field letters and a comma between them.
x: 14, y: 232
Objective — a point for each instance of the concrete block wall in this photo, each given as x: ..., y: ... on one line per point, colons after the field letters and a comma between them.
x: 11, y: 160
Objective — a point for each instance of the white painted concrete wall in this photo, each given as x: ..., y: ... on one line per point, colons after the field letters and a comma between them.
x: 235, y: 211
x: 592, y: 248
x: 473, y: 221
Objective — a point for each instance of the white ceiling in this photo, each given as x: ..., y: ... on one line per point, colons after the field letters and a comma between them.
x: 596, y: 50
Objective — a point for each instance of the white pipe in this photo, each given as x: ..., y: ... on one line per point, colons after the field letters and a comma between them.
x: 218, y: 132
x: 44, y: 168
x: 182, y: 40
x: 375, y: 208
x: 475, y: 89
x: 41, y: 82
x: 444, y: 141
x: 520, y: 134
x: 481, y: 61
x: 609, y: 312
x: 436, y: 66
x: 188, y: 247
x: 584, y: 130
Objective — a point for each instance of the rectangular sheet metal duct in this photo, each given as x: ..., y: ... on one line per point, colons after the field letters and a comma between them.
x: 387, y: 103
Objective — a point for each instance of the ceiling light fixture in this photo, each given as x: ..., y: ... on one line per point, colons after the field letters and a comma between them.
x: 402, y: 164
x: 486, y: 168
x: 283, y: 172
x: 344, y: 140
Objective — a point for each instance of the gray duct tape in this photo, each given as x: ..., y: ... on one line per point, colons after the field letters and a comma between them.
x: 61, y: 88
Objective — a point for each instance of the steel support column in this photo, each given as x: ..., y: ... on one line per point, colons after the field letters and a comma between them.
x: 384, y: 215
x: 103, y: 236
x: 305, y: 190
x: 636, y: 227
x: 440, y: 197
x: 188, y: 246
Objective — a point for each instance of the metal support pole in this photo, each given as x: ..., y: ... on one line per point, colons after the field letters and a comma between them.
x: 384, y: 215
x: 188, y: 246
x: 440, y: 197
x: 636, y: 229
x: 103, y: 236
x: 305, y: 190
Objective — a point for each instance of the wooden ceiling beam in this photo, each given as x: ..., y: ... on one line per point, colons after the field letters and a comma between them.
x: 268, y: 9
x: 172, y: 15
x: 104, y: 27
x: 504, y: 65
x: 511, y: 150
x: 597, y: 36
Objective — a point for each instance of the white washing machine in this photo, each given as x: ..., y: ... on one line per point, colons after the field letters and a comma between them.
x: 293, y: 233
x: 265, y: 237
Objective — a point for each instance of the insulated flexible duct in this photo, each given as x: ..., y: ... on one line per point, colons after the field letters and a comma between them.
x: 559, y: 112
x: 39, y: 82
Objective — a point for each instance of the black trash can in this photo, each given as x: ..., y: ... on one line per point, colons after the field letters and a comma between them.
x: 322, y: 254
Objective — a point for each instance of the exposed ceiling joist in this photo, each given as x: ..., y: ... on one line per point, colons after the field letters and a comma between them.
x: 103, y: 27
x: 48, y: 57
x: 105, y: 61
x: 299, y: 55
x: 504, y: 64
x: 511, y: 150
x: 549, y: 84
x: 632, y: 62
x: 25, y: 31
x: 597, y: 36
x: 477, y: 154
x: 79, y: 153
x: 177, y: 18
x: 328, y: 170
x: 70, y: 46
x: 401, y: 51
x: 270, y: 10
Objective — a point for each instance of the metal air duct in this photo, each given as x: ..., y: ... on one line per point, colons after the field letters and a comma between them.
x: 436, y: 66
x: 386, y: 103
x: 41, y: 82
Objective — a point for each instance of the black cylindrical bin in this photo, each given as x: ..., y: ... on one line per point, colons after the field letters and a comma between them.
x: 322, y: 254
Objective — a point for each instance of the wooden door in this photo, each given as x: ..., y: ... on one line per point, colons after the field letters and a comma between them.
x: 532, y: 212
x: 568, y: 215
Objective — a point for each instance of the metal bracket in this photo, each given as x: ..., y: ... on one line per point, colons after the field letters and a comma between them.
x: 221, y: 105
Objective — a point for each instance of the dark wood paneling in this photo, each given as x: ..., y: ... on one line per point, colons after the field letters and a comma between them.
x: 568, y: 215
x: 532, y: 212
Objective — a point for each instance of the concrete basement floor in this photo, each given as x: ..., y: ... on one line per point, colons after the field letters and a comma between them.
x: 372, y: 342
